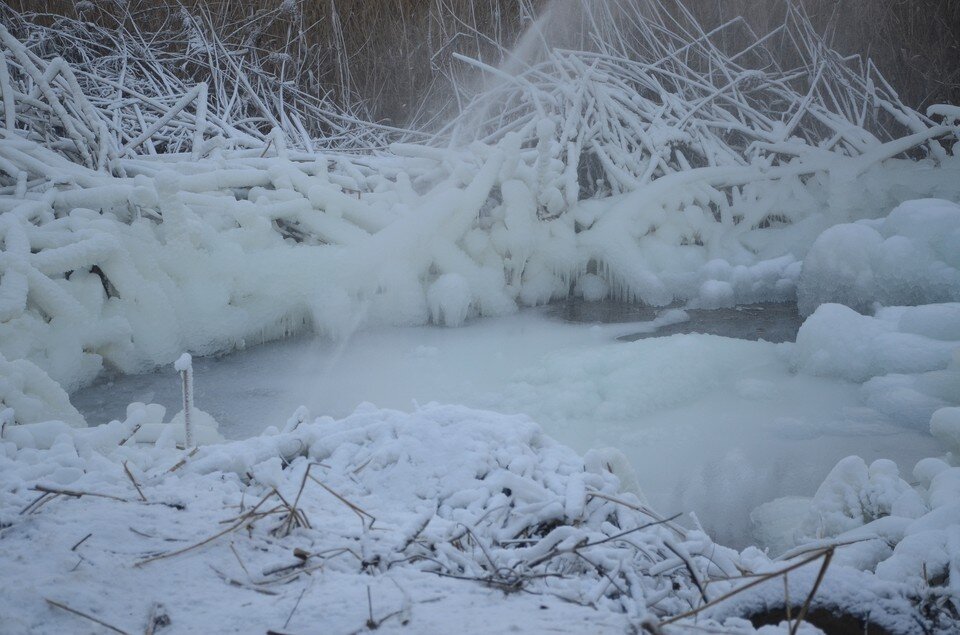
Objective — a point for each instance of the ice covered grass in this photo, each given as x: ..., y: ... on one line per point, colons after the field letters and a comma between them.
x: 210, y: 256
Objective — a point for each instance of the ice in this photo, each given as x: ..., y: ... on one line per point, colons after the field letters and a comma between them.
x: 908, y: 258
x: 31, y: 396
x: 715, y: 294
x: 592, y: 287
x: 839, y: 342
x: 944, y: 488
x: 926, y: 469
x: 252, y: 249
x: 854, y: 495
x: 183, y: 363
x: 449, y: 299
x: 945, y: 425
x: 599, y: 174
x: 839, y: 268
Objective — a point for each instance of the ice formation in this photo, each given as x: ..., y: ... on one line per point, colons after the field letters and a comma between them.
x: 910, y: 257
x: 905, y: 357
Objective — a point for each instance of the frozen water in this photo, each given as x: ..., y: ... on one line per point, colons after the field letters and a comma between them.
x: 710, y: 424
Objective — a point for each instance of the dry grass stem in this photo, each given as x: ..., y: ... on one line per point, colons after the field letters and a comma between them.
x: 85, y: 616
x: 134, y: 481
x: 80, y: 542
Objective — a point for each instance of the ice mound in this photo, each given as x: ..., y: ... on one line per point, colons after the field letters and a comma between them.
x: 27, y: 394
x: 906, y: 357
x: 911, y: 257
x: 945, y: 425
x: 836, y: 341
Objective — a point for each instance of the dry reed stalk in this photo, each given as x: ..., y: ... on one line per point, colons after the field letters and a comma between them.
x: 826, y: 554
x: 85, y: 616
x: 134, y: 481
x: 363, y: 515
x: 250, y: 515
x: 386, y: 54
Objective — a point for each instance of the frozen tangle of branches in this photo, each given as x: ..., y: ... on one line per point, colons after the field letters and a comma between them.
x: 631, y: 156
x: 630, y: 92
x: 125, y: 92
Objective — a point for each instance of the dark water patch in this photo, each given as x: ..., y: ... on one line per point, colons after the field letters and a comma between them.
x: 833, y: 622
x: 768, y: 321
x: 578, y: 310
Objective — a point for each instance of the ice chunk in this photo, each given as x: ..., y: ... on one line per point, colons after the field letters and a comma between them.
x: 945, y: 425
x: 715, y: 294
x: 839, y: 268
x: 911, y: 257
x: 449, y: 298
x: 33, y: 396
x: 936, y: 321
x: 837, y: 341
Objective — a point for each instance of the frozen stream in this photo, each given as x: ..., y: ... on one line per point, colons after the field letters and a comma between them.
x: 712, y: 424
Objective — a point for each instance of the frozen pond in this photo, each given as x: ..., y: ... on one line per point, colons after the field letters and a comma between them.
x: 712, y: 424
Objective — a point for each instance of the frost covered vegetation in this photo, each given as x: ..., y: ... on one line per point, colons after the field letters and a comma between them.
x: 633, y: 155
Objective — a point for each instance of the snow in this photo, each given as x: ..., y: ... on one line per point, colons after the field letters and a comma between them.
x: 388, y: 500
x: 837, y: 341
x: 183, y: 363
x: 31, y: 395
x: 251, y: 249
x: 449, y: 299
x: 692, y: 417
